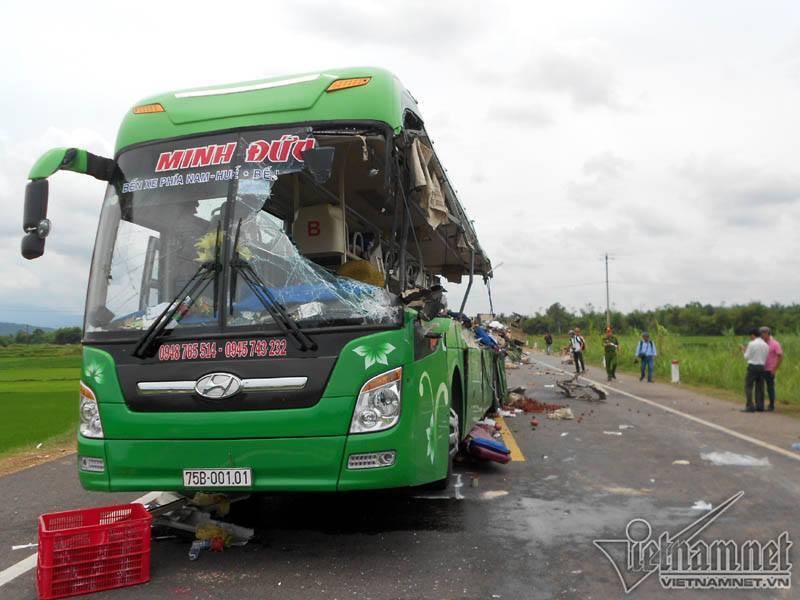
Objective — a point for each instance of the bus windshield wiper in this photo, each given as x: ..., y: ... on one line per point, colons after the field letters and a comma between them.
x: 183, y: 301
x: 277, y: 310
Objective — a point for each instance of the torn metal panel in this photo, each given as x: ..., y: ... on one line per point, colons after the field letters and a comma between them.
x: 572, y: 388
x: 425, y: 182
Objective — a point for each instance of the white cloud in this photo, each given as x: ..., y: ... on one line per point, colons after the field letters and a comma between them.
x: 742, y: 194
x: 569, y: 130
x: 585, y: 80
x: 58, y: 280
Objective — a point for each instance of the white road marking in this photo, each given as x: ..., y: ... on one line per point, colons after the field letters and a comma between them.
x: 736, y: 434
x: 26, y: 564
x: 18, y: 569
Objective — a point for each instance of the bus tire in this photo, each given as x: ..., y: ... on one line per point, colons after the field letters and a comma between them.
x: 454, y: 435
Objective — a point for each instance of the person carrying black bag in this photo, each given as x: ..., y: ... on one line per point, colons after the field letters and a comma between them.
x: 577, y: 345
x: 646, y: 353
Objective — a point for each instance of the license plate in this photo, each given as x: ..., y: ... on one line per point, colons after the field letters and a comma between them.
x: 211, y: 478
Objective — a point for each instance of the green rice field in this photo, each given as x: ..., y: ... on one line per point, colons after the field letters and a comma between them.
x: 706, y: 361
x: 38, y: 393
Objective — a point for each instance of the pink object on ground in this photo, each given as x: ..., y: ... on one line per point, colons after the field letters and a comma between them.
x: 486, y: 454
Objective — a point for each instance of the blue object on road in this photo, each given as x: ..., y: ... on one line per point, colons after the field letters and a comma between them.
x: 491, y: 444
x: 796, y: 446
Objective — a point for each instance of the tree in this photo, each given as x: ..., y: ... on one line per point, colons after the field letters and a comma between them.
x: 67, y: 335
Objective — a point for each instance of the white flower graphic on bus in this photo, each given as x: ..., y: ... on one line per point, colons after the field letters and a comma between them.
x: 375, y: 354
x: 94, y: 372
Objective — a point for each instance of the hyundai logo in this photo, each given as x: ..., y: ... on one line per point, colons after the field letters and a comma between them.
x: 217, y: 386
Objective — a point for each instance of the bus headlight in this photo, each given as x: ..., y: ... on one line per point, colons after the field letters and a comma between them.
x: 379, y: 402
x: 90, y: 425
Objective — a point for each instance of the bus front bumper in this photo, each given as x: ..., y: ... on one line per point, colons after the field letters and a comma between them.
x: 310, y: 464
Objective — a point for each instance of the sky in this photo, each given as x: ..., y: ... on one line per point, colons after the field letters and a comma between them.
x: 662, y: 133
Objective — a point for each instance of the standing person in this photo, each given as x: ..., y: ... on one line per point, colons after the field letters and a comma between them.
x: 577, y: 345
x: 755, y: 353
x: 548, y: 343
x: 646, y: 352
x: 610, y: 347
x: 774, y: 360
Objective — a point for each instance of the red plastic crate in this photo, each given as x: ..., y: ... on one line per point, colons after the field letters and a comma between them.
x: 93, y: 549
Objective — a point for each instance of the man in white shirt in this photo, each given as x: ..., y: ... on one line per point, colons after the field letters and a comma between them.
x: 755, y: 354
x: 577, y: 345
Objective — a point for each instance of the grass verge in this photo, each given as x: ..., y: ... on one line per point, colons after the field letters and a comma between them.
x: 38, y: 395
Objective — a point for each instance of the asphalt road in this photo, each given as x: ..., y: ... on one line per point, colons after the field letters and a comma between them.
x: 519, y: 531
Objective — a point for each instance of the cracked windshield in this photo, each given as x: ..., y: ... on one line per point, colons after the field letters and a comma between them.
x: 204, y: 223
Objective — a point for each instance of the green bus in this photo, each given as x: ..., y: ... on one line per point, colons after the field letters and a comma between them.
x: 265, y: 309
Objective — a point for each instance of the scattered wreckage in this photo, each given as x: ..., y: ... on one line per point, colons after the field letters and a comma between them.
x: 574, y: 388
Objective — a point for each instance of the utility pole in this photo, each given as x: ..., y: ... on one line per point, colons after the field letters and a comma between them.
x: 608, y: 301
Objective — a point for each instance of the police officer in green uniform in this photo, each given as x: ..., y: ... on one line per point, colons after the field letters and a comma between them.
x: 610, y: 347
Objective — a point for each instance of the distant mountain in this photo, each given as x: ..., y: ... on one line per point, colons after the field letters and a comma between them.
x: 13, y: 328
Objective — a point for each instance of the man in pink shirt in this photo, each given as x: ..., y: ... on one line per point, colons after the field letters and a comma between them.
x: 774, y: 360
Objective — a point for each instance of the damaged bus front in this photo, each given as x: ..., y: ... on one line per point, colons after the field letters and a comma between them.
x: 243, y: 325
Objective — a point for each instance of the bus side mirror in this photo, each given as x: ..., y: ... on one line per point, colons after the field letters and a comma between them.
x: 319, y: 162
x: 35, y: 223
x: 34, y: 219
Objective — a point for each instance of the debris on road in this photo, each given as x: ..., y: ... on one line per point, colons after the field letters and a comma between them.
x: 482, y: 444
x: 796, y: 446
x: 199, y: 545
x: 492, y: 494
x: 457, y: 487
x: 514, y: 397
x: 218, y: 503
x: 572, y: 388
x: 193, y: 515
x: 627, y: 491
x: 680, y: 462
x: 702, y: 505
x: 733, y: 459
x: 529, y: 405
x: 564, y: 433
x: 626, y: 426
x: 613, y: 432
x: 23, y: 546
x: 562, y: 414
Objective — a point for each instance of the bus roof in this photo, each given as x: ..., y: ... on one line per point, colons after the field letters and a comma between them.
x: 296, y: 99
x: 287, y: 99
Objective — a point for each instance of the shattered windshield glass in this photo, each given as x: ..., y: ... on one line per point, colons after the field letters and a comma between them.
x: 175, y: 206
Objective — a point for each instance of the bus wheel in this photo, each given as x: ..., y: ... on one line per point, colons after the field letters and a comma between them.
x: 452, y: 450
